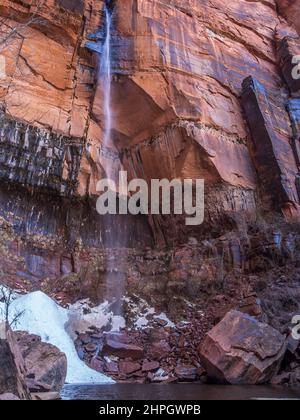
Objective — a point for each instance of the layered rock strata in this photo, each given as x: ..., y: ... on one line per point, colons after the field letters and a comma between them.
x: 178, y: 71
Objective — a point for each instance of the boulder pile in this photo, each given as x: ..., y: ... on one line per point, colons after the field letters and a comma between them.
x: 238, y: 350
x: 156, y: 354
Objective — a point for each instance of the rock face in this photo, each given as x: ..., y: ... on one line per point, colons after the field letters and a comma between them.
x: 199, y: 90
x: 13, y: 370
x: 178, y: 73
x: 46, y: 365
x: 272, y: 146
x: 291, y: 10
x: 241, y: 350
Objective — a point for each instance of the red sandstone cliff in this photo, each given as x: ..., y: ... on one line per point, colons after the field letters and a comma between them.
x: 200, y: 90
x: 178, y: 69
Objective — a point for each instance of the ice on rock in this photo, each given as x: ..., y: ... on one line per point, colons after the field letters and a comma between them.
x: 43, y: 317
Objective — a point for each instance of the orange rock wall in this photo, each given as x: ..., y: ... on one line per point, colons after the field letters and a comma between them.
x: 176, y: 93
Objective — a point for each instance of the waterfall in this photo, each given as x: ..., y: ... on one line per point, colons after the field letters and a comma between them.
x: 106, y: 77
x: 115, y: 277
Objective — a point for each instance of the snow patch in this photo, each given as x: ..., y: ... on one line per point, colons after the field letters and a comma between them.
x: 82, y: 316
x: 143, y: 314
x: 164, y: 317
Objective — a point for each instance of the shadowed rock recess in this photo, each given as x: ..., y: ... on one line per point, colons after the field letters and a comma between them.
x: 200, y: 89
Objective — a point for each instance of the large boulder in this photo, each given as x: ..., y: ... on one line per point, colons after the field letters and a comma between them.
x: 242, y: 350
x: 12, y: 370
x: 46, y: 364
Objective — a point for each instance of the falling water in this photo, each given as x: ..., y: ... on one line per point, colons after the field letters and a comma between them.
x: 115, y: 279
x: 106, y: 77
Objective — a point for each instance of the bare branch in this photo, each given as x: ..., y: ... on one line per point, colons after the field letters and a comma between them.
x: 7, y: 297
x: 8, y: 33
x: 13, y: 324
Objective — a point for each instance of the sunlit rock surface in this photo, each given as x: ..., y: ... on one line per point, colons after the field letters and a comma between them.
x: 178, y: 74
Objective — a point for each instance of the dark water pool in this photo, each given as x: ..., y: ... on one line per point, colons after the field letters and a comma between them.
x: 176, y: 392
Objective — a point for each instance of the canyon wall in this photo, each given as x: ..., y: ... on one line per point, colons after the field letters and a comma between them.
x: 290, y: 10
x: 200, y: 90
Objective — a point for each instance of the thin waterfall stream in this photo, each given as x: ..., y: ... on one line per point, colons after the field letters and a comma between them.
x: 115, y: 277
x: 106, y: 78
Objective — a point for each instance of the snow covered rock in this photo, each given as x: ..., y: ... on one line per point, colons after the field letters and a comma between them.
x: 43, y: 317
x: 82, y: 316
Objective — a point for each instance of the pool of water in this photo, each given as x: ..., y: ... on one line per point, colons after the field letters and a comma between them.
x: 176, y: 392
